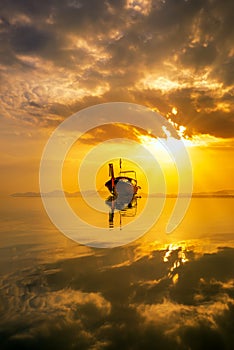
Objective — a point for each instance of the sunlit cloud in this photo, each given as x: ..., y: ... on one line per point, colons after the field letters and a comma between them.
x: 182, y: 79
x: 160, y: 83
x: 208, y: 141
x: 170, y: 57
x: 140, y: 6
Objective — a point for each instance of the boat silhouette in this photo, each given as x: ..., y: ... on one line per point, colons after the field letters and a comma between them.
x: 123, y: 189
x: 122, y: 185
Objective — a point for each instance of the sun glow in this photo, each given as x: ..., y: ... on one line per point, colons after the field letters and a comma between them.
x: 174, y: 110
x: 156, y: 148
x: 206, y: 153
x: 199, y: 140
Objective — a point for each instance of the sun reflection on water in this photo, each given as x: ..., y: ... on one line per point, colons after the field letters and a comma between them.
x: 179, y: 259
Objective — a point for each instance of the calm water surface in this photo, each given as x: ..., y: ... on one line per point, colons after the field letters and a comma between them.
x: 175, y: 291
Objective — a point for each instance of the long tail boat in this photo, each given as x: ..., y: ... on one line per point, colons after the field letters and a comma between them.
x: 122, y: 185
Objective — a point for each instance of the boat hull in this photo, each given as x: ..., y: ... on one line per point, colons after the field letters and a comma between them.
x: 123, y: 186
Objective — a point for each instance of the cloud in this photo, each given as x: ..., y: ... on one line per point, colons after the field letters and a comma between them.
x: 118, y: 130
x: 28, y: 39
x: 78, y: 53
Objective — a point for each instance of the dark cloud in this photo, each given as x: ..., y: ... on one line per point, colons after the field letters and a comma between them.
x: 117, y: 130
x: 30, y: 8
x: 199, y: 56
x: 225, y: 71
x: 27, y: 39
x: 107, y: 43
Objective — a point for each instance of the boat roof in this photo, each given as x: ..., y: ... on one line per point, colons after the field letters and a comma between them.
x: 124, y: 177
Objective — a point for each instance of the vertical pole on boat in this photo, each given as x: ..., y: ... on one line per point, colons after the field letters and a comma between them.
x: 120, y: 164
x: 111, y: 173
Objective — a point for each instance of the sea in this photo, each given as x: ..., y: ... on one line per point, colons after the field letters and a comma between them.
x: 154, y: 290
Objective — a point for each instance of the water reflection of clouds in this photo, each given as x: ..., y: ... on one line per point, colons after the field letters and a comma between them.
x: 115, y: 300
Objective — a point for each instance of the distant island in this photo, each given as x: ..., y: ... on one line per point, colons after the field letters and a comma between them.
x: 215, y: 194
x: 57, y: 193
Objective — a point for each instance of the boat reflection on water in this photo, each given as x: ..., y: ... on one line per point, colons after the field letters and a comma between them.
x: 122, y: 206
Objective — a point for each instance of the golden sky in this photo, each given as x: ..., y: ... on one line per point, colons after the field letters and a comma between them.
x: 175, y: 57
